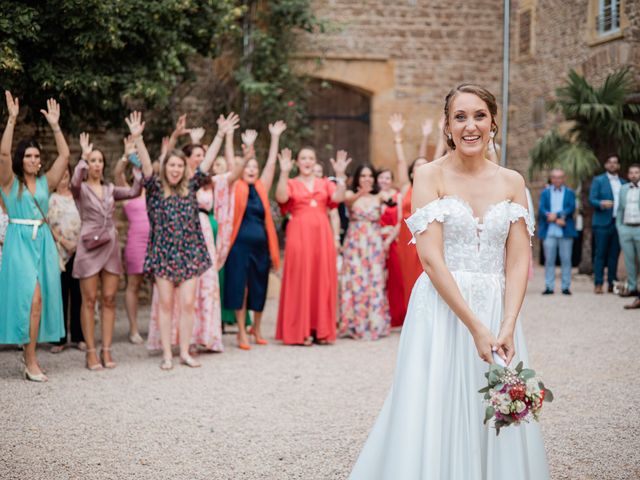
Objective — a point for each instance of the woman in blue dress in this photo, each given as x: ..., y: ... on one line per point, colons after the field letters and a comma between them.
x: 30, y: 292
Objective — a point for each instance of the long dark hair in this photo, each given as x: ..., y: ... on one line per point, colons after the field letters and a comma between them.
x: 358, y: 173
x: 17, y: 162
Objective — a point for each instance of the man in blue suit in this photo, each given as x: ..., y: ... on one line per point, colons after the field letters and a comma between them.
x: 604, y: 196
x: 557, y: 230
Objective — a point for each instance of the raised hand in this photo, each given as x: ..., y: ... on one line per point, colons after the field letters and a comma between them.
x: 164, y: 148
x: 427, y: 127
x: 52, y: 113
x: 341, y: 163
x: 181, y: 126
x: 285, y: 160
x: 277, y: 128
x: 232, y: 122
x: 13, y: 106
x: 249, y: 137
x: 196, y: 135
x: 135, y: 124
x: 87, y: 147
x: 396, y: 122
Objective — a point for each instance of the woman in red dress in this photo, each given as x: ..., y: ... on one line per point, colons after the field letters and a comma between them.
x: 407, y: 254
x: 308, y: 296
x: 390, y: 220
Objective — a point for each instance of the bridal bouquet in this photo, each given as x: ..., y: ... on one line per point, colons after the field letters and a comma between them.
x: 513, y: 396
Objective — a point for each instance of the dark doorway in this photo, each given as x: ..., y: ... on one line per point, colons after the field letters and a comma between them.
x: 340, y: 118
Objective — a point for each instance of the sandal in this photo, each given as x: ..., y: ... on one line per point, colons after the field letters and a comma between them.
x: 109, y: 365
x: 308, y: 342
x: 167, y: 364
x: 136, y: 339
x: 96, y: 366
x: 190, y: 362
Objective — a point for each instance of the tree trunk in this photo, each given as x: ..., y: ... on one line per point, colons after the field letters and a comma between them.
x: 586, y: 262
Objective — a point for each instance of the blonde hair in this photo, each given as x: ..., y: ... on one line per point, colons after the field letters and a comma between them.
x: 182, y: 188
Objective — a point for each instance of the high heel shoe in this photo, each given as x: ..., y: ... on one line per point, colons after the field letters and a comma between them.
x: 40, y: 377
x: 111, y: 364
x: 136, y: 339
x: 190, y: 362
x: 252, y: 332
x: 96, y: 366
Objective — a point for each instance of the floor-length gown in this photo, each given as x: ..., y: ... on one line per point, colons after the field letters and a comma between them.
x: 431, y: 424
x: 364, y: 307
x: 409, y: 261
x: 309, y: 291
x: 395, y: 284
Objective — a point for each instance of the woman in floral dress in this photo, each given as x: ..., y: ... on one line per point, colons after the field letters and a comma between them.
x: 364, y: 307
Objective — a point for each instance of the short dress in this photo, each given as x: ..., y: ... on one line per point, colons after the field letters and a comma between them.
x: 135, y: 249
x: 177, y: 250
x: 248, y: 263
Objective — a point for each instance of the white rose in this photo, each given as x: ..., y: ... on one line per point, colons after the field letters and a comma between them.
x: 520, y: 406
x: 504, y: 409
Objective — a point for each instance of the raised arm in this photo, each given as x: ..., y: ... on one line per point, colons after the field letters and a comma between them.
x: 340, y: 165
x: 396, y: 122
x: 518, y: 251
x: 441, y: 146
x: 214, y: 148
x: 121, y: 165
x: 269, y: 169
x: 128, y: 192
x: 286, y: 164
x: 136, y: 127
x: 179, y: 131
x: 6, y: 171
x: 430, y: 247
x: 61, y: 163
x: 238, y: 167
x: 427, y: 128
x: 232, y: 120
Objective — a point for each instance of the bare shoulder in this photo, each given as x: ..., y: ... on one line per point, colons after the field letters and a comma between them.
x: 426, y: 184
x: 512, y: 179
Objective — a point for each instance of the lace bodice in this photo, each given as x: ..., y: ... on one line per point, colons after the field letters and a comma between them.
x: 470, y: 244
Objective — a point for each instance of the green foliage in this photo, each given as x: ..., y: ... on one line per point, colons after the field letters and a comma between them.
x: 101, y: 58
x: 599, y: 122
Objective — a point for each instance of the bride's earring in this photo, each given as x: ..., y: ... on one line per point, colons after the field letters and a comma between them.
x: 492, y: 134
x: 449, y: 136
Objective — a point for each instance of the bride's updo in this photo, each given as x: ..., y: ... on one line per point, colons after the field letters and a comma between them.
x: 481, y: 92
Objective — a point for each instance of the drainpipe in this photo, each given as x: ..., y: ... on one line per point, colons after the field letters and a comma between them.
x: 505, y: 83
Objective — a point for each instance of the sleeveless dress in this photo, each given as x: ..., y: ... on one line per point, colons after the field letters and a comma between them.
x: 364, y: 308
x: 135, y: 249
x: 431, y: 424
x: 309, y: 291
x: 207, y: 327
x: 395, y: 284
x: 29, y: 256
x: 248, y: 262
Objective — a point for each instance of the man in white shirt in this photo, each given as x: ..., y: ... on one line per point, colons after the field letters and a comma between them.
x: 628, y: 224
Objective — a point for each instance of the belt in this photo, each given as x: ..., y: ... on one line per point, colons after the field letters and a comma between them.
x: 205, y: 211
x: 34, y: 223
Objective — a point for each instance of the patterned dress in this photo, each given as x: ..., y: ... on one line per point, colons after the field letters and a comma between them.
x: 207, y: 328
x: 364, y: 307
x: 177, y: 250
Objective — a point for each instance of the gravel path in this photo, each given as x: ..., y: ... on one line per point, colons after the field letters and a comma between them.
x: 303, y: 413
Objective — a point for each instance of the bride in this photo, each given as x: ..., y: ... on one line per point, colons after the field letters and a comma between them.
x: 472, y: 233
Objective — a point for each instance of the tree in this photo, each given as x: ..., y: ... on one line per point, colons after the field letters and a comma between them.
x: 598, y: 121
x: 101, y: 58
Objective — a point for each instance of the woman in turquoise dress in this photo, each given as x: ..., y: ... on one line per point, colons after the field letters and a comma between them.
x: 30, y: 292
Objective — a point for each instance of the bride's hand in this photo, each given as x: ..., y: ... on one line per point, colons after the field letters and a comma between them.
x: 506, y: 346
x: 486, y: 344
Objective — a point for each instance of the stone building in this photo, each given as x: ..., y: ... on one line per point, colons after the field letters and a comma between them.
x: 405, y: 55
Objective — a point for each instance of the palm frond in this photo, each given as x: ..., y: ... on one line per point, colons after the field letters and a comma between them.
x: 544, y: 153
x: 615, y: 87
x: 578, y: 161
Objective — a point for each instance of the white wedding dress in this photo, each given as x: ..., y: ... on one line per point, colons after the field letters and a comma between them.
x: 430, y: 427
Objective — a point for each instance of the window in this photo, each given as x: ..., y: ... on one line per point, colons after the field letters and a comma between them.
x: 608, y: 19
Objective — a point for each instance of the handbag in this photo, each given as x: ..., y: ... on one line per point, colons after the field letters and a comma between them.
x: 95, y: 239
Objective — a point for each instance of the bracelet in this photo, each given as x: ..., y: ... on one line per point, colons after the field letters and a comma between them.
x: 397, y: 140
x: 56, y: 130
x: 341, y: 181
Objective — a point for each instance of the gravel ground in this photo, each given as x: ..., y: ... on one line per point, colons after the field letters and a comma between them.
x: 303, y: 413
